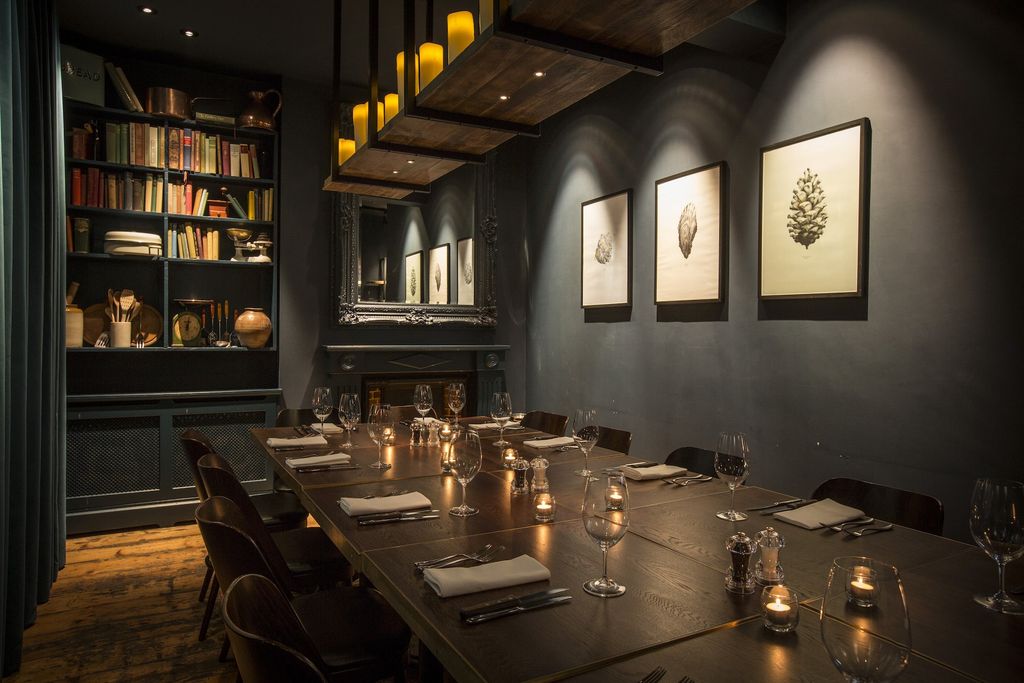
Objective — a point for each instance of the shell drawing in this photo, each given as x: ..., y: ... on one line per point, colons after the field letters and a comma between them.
x: 807, y: 217
x: 412, y: 282
x: 687, y: 229
x: 437, y: 277
x: 603, y: 253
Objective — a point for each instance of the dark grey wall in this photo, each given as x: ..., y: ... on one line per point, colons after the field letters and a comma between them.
x: 918, y: 389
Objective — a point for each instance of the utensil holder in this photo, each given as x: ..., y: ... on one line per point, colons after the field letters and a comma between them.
x: 120, y: 335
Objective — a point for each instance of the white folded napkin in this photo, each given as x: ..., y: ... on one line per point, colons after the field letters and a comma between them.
x: 354, y: 507
x: 462, y: 580
x: 492, y: 425
x: 428, y: 421
x: 304, y: 441
x: 329, y: 428
x: 656, y: 472
x: 556, y: 442
x: 327, y: 459
x: 821, y: 514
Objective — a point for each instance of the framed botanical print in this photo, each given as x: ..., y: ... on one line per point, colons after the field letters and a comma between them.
x: 465, y: 277
x: 689, y: 236
x: 606, y: 227
x: 414, y: 278
x: 437, y: 275
x: 814, y: 204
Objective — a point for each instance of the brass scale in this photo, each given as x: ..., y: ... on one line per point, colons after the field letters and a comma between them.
x: 187, y: 326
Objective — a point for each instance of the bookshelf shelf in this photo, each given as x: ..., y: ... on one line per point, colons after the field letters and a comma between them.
x: 109, y: 165
x: 125, y: 213
x: 228, y: 222
x: 83, y: 108
x: 224, y: 179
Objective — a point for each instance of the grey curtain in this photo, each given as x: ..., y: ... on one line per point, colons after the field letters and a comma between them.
x: 32, y: 386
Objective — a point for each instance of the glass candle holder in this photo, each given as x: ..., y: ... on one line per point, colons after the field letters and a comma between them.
x: 520, y: 485
x: 508, y: 456
x: 544, y: 507
x: 862, y: 585
x: 738, y: 577
x: 614, y: 498
x: 768, y: 570
x: 540, y: 482
x: 447, y: 435
x: 388, y: 436
x: 781, y: 609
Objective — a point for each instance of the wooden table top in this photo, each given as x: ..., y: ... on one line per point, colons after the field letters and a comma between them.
x: 676, y: 612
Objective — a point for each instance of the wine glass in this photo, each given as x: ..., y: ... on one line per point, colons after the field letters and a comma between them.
x: 997, y: 525
x: 732, y: 464
x: 323, y: 404
x: 381, y: 428
x: 465, y: 459
x: 423, y: 399
x: 605, y: 517
x: 501, y: 412
x: 585, y: 433
x: 456, y: 396
x: 349, y: 414
x: 864, y: 622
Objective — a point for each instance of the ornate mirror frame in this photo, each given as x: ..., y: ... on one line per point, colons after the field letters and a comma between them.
x: 349, y: 311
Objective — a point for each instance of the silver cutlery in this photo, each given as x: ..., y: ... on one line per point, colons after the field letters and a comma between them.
x: 102, y: 341
x: 686, y: 481
x: 567, y: 447
x: 479, y: 558
x: 413, y: 516
x: 870, y: 530
x: 527, y: 603
x: 851, y: 524
x: 439, y: 560
x: 790, y: 506
x: 640, y: 465
x: 654, y: 676
x: 326, y: 468
x: 510, y: 601
x: 778, y: 503
x: 385, y: 495
x: 686, y: 679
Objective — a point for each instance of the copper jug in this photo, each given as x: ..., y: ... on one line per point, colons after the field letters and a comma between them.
x: 258, y: 114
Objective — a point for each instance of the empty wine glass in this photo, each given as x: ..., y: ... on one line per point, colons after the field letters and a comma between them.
x: 997, y: 525
x: 349, y: 414
x: 501, y: 412
x: 465, y: 457
x: 381, y: 428
x: 585, y: 433
x: 732, y: 464
x: 456, y: 397
x: 864, y: 622
x: 605, y: 518
x: 423, y: 399
x: 323, y: 404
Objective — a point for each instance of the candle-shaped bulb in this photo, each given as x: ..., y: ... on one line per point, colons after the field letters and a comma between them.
x: 346, y: 148
x: 460, y: 33
x: 359, y: 114
x: 390, y: 106
x: 431, y: 62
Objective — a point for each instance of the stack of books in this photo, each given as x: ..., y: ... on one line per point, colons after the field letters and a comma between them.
x: 199, y: 152
x: 261, y: 205
x: 193, y: 242
x: 91, y: 187
x: 138, y: 144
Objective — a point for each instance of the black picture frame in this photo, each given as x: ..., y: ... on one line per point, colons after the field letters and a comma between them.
x: 446, y: 276
x: 628, y: 302
x: 459, y: 274
x: 405, y: 276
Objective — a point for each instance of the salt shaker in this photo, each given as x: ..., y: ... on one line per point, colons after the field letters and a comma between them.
x: 768, y: 571
x: 432, y: 437
x: 738, y: 577
x: 540, y: 475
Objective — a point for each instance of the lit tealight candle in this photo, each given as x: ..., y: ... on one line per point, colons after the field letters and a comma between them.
x: 390, y: 106
x: 614, y: 498
x: 460, y: 33
x: 431, y: 62
x: 509, y: 456
x: 544, y: 505
x: 400, y: 68
x: 346, y: 148
x: 446, y: 429
x: 359, y: 113
x: 778, y: 612
x: 389, y: 436
x: 781, y: 609
x: 862, y: 587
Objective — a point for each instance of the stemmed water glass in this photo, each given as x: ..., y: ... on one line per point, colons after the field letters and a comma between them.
x: 997, y: 525
x: 466, y: 457
x: 456, y: 395
x: 864, y: 622
x: 381, y: 427
x: 606, y: 518
x: 732, y: 464
x: 323, y: 404
x: 585, y: 432
x: 501, y: 412
x: 349, y: 414
x: 423, y: 399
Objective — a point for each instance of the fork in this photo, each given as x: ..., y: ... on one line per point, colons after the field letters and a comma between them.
x: 385, y: 495
x: 687, y: 481
x: 686, y: 679
x: 656, y: 675
x: 870, y: 530
x: 102, y: 341
x: 852, y: 523
x: 422, y: 564
x: 481, y: 558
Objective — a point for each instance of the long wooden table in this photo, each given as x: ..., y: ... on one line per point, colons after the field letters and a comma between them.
x: 676, y: 612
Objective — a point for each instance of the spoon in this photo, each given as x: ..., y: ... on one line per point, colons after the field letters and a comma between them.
x: 127, y: 301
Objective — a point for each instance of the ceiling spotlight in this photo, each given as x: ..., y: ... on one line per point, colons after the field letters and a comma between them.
x: 146, y: 10
x: 410, y: 161
x: 188, y: 33
x: 503, y: 98
x: 395, y: 172
x: 538, y: 74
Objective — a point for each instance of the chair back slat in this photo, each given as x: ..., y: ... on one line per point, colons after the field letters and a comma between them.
x: 196, y: 445
x: 694, y: 459
x: 295, y: 417
x: 551, y: 423
x: 614, y: 439
x: 906, y: 508
x: 232, y: 551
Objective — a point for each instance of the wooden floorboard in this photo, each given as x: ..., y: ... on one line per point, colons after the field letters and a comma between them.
x: 125, y: 609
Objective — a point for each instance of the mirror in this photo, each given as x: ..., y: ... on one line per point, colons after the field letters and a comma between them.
x: 426, y: 260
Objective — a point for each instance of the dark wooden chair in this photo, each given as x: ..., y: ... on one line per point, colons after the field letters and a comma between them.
x: 295, y: 417
x: 551, y: 423
x: 906, y: 508
x: 404, y: 413
x: 355, y: 633
x: 614, y: 439
x: 694, y: 459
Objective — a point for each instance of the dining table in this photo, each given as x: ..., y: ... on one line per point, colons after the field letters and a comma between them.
x: 676, y: 614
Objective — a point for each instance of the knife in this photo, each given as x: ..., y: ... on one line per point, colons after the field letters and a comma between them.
x: 778, y: 503
x: 524, y: 606
x: 640, y: 465
x: 509, y: 601
x: 395, y: 513
x: 792, y: 506
x: 401, y: 517
x: 326, y: 468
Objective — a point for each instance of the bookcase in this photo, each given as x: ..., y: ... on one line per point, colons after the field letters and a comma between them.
x: 127, y: 406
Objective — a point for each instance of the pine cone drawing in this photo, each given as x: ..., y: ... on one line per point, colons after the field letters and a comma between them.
x: 412, y: 282
x: 467, y: 272
x: 437, y: 277
x: 603, y: 253
x: 687, y: 229
x: 807, y: 217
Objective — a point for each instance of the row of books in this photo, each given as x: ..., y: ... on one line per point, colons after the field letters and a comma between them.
x: 193, y: 242
x: 261, y: 205
x: 136, y: 144
x: 92, y: 187
x: 194, y: 150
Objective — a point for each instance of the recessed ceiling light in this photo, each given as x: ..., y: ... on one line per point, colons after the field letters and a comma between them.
x: 503, y: 98
x: 394, y: 171
x: 410, y: 161
x: 146, y: 10
x: 538, y: 74
x: 188, y: 33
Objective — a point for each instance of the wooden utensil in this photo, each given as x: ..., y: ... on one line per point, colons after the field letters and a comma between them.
x: 136, y: 307
x: 72, y: 291
x: 127, y: 301
x: 110, y: 303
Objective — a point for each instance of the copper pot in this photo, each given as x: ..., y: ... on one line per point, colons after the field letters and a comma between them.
x: 257, y: 114
x: 168, y: 102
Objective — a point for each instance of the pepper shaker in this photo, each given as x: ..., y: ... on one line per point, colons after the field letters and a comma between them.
x: 519, y: 469
x: 738, y: 577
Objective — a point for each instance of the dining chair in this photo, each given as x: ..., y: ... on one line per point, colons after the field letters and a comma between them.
x: 404, y: 413
x: 296, y: 417
x: 614, y: 439
x: 551, y: 423
x: 355, y: 632
x: 694, y: 459
x: 906, y: 508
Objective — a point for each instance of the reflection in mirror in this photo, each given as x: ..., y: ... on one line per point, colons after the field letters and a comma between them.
x: 420, y: 253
